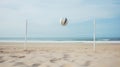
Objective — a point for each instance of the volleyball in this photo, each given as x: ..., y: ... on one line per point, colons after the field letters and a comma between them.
x: 64, y: 21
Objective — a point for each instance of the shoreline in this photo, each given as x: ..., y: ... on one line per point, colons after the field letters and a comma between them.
x: 60, y: 41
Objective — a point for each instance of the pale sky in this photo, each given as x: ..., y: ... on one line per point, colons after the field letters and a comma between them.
x: 44, y: 15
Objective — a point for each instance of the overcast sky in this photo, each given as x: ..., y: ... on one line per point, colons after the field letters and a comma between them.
x: 44, y: 16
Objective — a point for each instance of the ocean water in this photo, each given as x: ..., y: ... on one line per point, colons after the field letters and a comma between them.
x: 56, y: 39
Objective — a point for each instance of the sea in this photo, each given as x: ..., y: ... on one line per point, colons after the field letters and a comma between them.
x: 59, y: 39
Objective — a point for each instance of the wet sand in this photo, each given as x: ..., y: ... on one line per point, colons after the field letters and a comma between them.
x: 59, y: 55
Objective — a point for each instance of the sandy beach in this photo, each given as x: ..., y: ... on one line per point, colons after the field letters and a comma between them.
x: 59, y: 55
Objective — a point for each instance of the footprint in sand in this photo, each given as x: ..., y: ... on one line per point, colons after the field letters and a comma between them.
x: 13, y: 56
x: 55, y: 59
x: 28, y: 51
x: 20, y: 64
x: 17, y: 56
x: 21, y: 56
x: 1, y: 57
x: 1, y: 51
x: 1, y: 61
x: 68, y: 65
x: 87, y: 63
x: 35, y: 65
x: 66, y: 56
x: 12, y: 61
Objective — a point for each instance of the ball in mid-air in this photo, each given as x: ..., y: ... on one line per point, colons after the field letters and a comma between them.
x: 64, y: 21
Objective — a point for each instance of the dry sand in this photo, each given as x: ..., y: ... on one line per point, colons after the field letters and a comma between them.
x: 59, y: 55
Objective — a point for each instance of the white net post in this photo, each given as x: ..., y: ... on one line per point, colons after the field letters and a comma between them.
x: 94, y: 35
x: 25, y: 41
